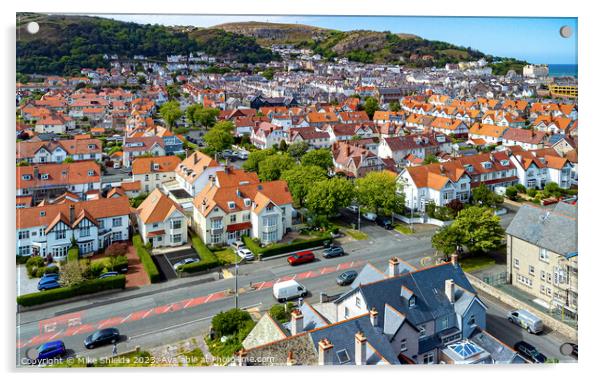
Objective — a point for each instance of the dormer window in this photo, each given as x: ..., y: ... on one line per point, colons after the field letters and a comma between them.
x: 91, y: 172
x: 44, y: 176
x: 486, y: 164
x: 42, y: 213
x: 90, y: 146
x: 231, y: 204
x: 247, y: 202
x: 155, y: 167
x: 504, y: 162
x: 412, y: 301
x: 26, y: 177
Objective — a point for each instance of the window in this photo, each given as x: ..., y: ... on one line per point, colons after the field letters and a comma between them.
x: 246, y: 216
x: 542, y: 289
x: 412, y: 301
x: 543, y: 255
x: 84, y: 232
x: 358, y: 302
x: 403, y: 345
x: 233, y: 218
x: 176, y: 224
x: 429, y: 358
x: 24, y: 250
x: 91, y: 172
x: 531, y: 270
x: 216, y: 238
x: 543, y: 275
x: 61, y: 234
x: 548, y: 291
x: 444, y: 323
x: 422, y: 330
x: 471, y: 320
x: 117, y: 222
x: 59, y: 251
x: 44, y: 176
x: 24, y: 234
x: 516, y: 263
x: 231, y: 204
x: 176, y: 238
x: 117, y: 237
x: 346, y: 312
x: 549, y: 278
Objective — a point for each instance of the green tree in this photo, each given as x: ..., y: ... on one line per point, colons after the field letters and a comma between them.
x: 281, y: 312
x: 219, y: 137
x: 481, y: 195
x: 479, y: 228
x: 206, y: 117
x: 371, y: 106
x: 394, y: 106
x: 282, y: 146
x: 447, y: 239
x: 230, y: 322
x: 170, y: 112
x: 298, y: 149
x: 512, y: 193
x: 68, y: 159
x: 272, y: 166
x: 552, y: 189
x: 191, y: 114
x: 172, y: 92
x: 71, y: 274
x: 256, y: 157
x: 377, y: 191
x: 320, y: 157
x: 300, y: 179
x: 430, y: 158
x: 268, y: 74
x: 326, y: 197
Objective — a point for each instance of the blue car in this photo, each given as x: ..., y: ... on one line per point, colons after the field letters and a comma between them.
x: 48, y: 284
x: 50, y: 276
x: 51, y: 349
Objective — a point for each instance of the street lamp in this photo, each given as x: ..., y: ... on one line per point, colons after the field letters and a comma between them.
x: 236, y: 280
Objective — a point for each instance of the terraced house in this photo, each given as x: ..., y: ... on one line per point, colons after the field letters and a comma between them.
x: 50, y: 229
x: 56, y: 151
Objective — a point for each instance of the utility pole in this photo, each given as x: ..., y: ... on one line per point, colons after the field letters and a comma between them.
x: 358, y: 218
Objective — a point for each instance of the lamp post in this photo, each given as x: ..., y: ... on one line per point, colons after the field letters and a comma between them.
x: 236, y: 281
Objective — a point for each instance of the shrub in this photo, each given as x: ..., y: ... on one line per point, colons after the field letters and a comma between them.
x: 280, y: 313
x: 520, y: 188
x: 208, y: 258
x: 230, y: 322
x: 117, y: 248
x: 146, y: 259
x: 512, y: 193
x: 73, y: 253
x: 84, y: 288
x: 531, y: 192
x: 33, y: 264
x: 281, y: 248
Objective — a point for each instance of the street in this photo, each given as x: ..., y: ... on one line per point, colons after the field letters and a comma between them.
x: 171, y: 311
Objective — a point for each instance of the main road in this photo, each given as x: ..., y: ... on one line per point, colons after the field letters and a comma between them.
x: 169, y: 312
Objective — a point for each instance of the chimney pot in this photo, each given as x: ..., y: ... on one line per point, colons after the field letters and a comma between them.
x: 374, y: 317
x: 454, y: 259
x: 296, y: 322
x: 290, y: 360
x: 325, y: 355
x: 71, y: 213
x: 394, y: 267
x: 450, y: 290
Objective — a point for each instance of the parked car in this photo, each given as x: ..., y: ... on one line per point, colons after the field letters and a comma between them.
x: 108, y: 274
x: 333, y: 251
x: 529, y: 352
x: 384, y: 222
x: 353, y: 208
x: 185, y: 262
x: 50, y: 276
x: 287, y: 290
x: 527, y: 320
x: 51, y: 350
x: 242, y: 155
x: 245, y: 254
x: 102, y: 337
x: 48, y: 284
x: 237, y: 245
x: 301, y: 257
x: 369, y: 216
x: 347, y: 277
x: 227, y: 153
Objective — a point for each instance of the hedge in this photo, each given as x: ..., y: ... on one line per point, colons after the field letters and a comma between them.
x: 73, y: 253
x: 281, y: 248
x: 84, y: 288
x: 146, y: 259
x: 208, y: 258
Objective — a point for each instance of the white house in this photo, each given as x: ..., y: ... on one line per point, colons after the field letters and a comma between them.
x: 161, y: 221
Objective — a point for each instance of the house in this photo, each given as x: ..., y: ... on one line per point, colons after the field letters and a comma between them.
x: 526, y: 139
x: 142, y: 146
x: 50, y: 229
x: 53, y: 123
x: 490, y: 133
x: 314, y: 137
x: 55, y: 151
x: 538, y: 167
x: 448, y: 126
x: 151, y: 172
x: 161, y: 221
x: 355, y: 161
x: 490, y: 169
x: 266, y: 135
x: 43, y: 181
x: 344, y: 132
x: 541, y: 252
x: 419, y: 145
x: 439, y: 183
x: 399, y: 316
x: 552, y: 125
x: 237, y: 204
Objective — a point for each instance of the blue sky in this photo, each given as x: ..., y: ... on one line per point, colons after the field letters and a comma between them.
x: 536, y: 40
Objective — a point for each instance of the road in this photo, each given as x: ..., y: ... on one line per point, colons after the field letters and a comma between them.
x: 172, y: 311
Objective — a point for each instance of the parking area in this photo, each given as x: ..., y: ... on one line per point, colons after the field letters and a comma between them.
x: 25, y: 285
x: 166, y: 261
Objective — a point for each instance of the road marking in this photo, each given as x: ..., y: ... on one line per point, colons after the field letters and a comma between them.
x: 147, y: 313
x: 56, y: 334
x: 209, y: 298
x: 125, y: 318
x: 188, y: 303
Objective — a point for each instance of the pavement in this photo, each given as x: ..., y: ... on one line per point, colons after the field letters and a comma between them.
x: 173, y: 311
x: 25, y: 284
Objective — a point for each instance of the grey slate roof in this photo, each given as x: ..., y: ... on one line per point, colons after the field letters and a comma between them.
x: 368, y: 274
x: 552, y: 230
x: 500, y: 353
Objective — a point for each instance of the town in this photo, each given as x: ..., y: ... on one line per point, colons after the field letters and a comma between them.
x: 308, y: 210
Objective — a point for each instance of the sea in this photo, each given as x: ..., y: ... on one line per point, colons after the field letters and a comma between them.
x: 562, y: 70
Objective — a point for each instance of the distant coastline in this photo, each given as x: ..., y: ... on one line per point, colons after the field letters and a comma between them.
x: 563, y: 70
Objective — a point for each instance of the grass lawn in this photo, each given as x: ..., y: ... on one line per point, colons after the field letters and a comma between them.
x: 471, y: 264
x: 356, y: 234
x: 226, y: 255
x: 403, y: 229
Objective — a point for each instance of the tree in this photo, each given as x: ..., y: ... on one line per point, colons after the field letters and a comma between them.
x: 172, y: 92
x: 552, y: 189
x: 219, y: 137
x: 281, y: 312
x: 394, y: 106
x: 192, y: 112
x: 272, y: 166
x: 377, y: 191
x: 481, y: 195
x: 68, y: 159
x: 455, y: 206
x: 230, y: 322
x: 300, y: 179
x: 447, y: 239
x: 512, y: 193
x: 256, y: 157
x: 170, y: 112
x: 282, y: 146
x: 298, y: 149
x: 520, y: 188
x: 326, y: 197
x: 320, y: 157
x: 430, y: 158
x: 71, y: 274
x: 206, y: 117
x: 370, y: 106
x: 479, y: 228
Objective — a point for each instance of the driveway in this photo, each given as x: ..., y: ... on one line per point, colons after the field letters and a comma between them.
x: 25, y: 285
x: 166, y: 261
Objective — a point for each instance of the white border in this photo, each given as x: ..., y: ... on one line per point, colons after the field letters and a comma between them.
x: 589, y: 216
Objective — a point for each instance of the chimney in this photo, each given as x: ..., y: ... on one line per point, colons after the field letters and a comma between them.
x: 71, y: 213
x: 394, y: 267
x: 296, y: 322
x: 36, y: 173
x: 450, y: 290
x: 196, y: 158
x: 454, y: 259
x: 290, y: 360
x: 242, y: 357
x: 374, y: 317
x: 325, y: 352
x: 360, y: 348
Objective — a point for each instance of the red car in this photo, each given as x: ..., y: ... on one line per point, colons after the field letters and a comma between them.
x: 300, y: 258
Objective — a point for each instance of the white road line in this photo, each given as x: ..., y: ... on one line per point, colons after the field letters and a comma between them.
x: 188, y: 303
x: 55, y: 335
x: 76, y: 331
x: 209, y: 298
x: 126, y: 318
x: 147, y: 313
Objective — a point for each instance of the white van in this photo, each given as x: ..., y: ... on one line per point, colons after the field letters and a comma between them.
x: 288, y: 290
x: 526, y: 320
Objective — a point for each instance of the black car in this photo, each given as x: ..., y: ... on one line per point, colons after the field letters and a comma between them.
x: 333, y: 251
x: 102, y: 337
x: 384, y: 222
x: 529, y: 352
x: 346, y: 277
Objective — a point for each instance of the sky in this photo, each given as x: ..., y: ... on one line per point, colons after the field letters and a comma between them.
x: 536, y: 40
